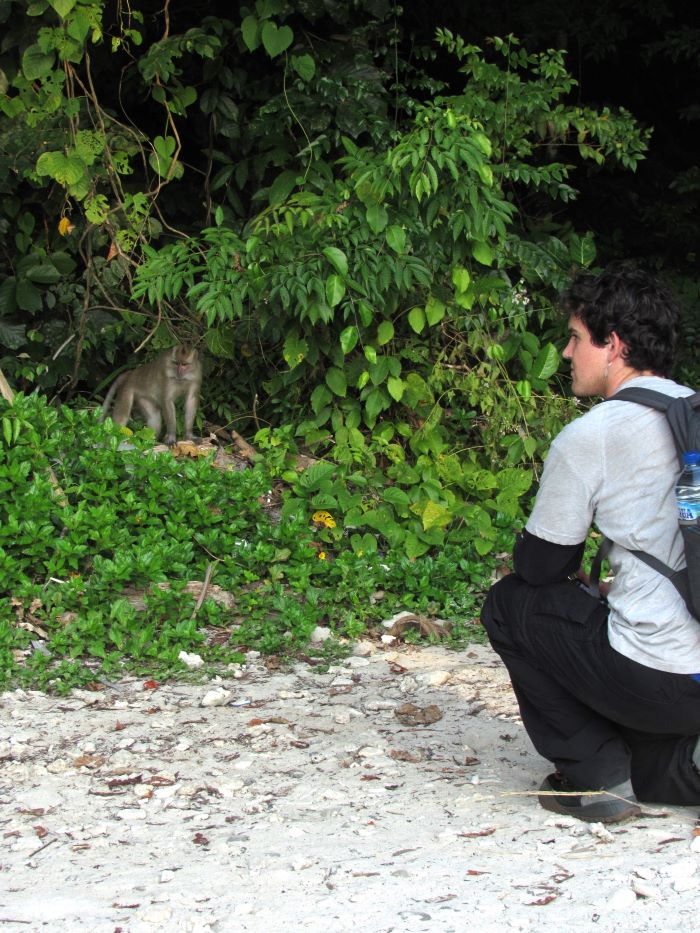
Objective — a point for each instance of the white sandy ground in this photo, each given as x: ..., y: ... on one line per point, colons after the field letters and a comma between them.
x: 303, y: 803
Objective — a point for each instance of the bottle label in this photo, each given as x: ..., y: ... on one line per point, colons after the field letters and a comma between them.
x: 688, y: 511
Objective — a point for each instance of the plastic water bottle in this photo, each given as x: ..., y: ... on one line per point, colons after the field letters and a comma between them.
x: 688, y: 490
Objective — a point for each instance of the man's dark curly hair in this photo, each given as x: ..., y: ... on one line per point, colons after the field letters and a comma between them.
x: 637, y: 306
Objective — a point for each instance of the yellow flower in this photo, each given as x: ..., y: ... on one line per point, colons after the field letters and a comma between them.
x: 65, y: 226
x: 321, y: 555
x: 323, y: 518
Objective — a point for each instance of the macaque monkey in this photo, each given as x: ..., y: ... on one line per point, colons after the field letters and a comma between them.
x: 155, y: 387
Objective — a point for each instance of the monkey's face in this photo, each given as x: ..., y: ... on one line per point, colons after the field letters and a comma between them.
x: 185, y: 360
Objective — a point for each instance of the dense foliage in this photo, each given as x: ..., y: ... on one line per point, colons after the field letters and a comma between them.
x: 365, y: 235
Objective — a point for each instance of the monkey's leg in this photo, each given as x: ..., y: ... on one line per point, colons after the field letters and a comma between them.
x: 122, y: 405
x: 170, y: 421
x: 151, y: 413
x: 190, y: 412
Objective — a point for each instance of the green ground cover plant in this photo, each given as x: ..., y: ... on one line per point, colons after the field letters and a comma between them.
x: 99, y: 538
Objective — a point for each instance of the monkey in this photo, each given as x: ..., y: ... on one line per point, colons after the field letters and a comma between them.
x: 155, y: 387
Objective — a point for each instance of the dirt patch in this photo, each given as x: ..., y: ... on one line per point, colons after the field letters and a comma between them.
x: 301, y: 800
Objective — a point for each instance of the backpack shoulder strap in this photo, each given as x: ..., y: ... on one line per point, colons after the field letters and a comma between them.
x: 682, y: 413
x: 648, y: 397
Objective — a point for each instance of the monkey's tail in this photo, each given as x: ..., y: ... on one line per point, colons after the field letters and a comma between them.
x: 110, y: 395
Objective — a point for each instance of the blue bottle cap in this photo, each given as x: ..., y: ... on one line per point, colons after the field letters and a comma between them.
x: 691, y: 458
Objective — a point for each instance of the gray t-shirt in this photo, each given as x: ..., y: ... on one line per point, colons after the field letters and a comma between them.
x: 617, y: 466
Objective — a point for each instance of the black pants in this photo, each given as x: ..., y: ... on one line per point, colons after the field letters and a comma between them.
x: 600, y: 717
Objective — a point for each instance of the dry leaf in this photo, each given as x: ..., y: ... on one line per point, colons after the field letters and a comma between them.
x: 411, y: 715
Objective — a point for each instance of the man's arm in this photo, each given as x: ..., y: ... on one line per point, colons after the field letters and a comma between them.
x: 539, y: 562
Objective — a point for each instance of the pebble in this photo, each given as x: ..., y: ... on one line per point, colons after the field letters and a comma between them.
x: 434, y: 678
x: 622, y: 899
x: 192, y: 661
x: 217, y: 697
x: 320, y: 634
x: 130, y: 815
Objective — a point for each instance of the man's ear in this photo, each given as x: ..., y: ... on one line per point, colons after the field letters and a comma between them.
x: 616, y: 347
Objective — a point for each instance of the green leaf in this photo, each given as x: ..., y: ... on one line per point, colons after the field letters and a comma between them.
x: 336, y: 381
x: 43, y: 274
x: 396, y: 238
x: 320, y: 397
x: 396, y: 497
x: 337, y: 258
x: 375, y: 403
x: 28, y: 297
x: 281, y: 187
x: 37, y: 64
x: 547, y: 362
x: 414, y: 547
x: 435, y: 515
x: 385, y: 333
x: 335, y: 290
x: 349, y: 338
x: 582, y: 249
x: 62, y: 7
x: 416, y: 318
x: 395, y: 387
x: 370, y: 354
x: 276, y: 39
x: 67, y: 170
x: 376, y: 217
x: 8, y: 303
x: 484, y: 143
x: 305, y: 66
x: 482, y: 253
x: 12, y: 336
x: 461, y: 278
x: 434, y: 310
x: 295, y: 350
x: 250, y: 33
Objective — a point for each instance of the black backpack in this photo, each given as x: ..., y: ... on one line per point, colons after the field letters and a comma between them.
x: 683, y: 415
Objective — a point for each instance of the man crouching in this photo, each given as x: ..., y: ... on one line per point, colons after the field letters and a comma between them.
x: 609, y: 692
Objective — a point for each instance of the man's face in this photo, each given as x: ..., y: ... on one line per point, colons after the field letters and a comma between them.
x: 589, y: 363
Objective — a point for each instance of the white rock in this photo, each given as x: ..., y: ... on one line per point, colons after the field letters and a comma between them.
x: 143, y: 790
x: 686, y: 884
x: 58, y: 766
x: 156, y: 915
x: 192, y: 661
x: 682, y: 869
x: 622, y: 899
x: 320, y: 634
x: 216, y: 697
x: 695, y: 844
x: 647, y: 874
x: 363, y: 649
x: 434, y: 678
x: 130, y: 815
x: 600, y: 832
x: 166, y: 875
x: 408, y: 684
x: 356, y: 662
x: 342, y: 681
x: 370, y: 751
x: 644, y: 889
x: 388, y: 639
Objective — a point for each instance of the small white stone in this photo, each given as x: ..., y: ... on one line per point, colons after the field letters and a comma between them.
x: 192, y: 661
x: 356, y: 662
x: 166, y: 875
x: 130, y: 815
x: 695, y: 844
x: 143, y: 790
x: 388, y: 639
x: 363, y: 649
x: 647, y: 874
x: 57, y: 766
x: 405, y: 614
x: 622, y: 899
x: 217, y: 697
x: 682, y: 869
x: 434, y: 678
x: 686, y: 883
x: 320, y: 634
x: 644, y: 889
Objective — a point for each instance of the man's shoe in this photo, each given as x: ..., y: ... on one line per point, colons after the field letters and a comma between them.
x: 610, y: 805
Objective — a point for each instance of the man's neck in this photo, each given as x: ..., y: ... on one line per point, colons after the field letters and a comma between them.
x: 619, y: 377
